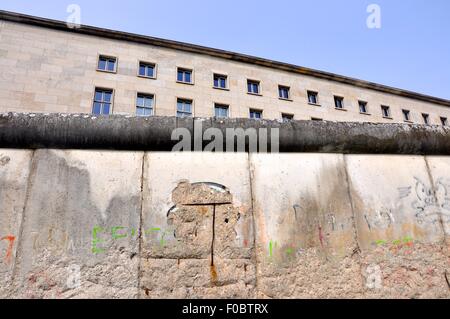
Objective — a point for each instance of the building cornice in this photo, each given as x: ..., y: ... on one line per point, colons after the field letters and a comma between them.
x: 232, y: 56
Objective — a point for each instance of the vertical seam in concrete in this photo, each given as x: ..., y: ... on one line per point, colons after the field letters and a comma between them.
x: 31, y: 175
x: 355, y: 232
x: 141, y: 214
x: 255, y: 249
x: 433, y: 188
x: 213, y: 234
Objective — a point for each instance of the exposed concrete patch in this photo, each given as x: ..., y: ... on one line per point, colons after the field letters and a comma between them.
x: 206, y: 224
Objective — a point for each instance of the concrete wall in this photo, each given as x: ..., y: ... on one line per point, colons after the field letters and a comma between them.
x: 45, y: 70
x: 203, y: 225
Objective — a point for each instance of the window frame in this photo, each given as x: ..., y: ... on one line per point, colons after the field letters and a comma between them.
x: 226, y: 88
x: 406, y: 115
x: 283, y: 115
x: 107, y: 57
x: 184, y: 99
x: 288, y: 98
x: 111, y: 104
x: 256, y: 111
x: 366, y: 106
x: 336, y: 98
x: 444, y: 120
x: 223, y: 106
x: 143, y: 107
x: 191, y: 70
x: 259, y: 87
x: 145, y: 76
x: 388, y: 108
x: 316, y: 94
x: 426, y: 118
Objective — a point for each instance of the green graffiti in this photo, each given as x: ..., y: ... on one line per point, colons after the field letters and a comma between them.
x: 96, y: 240
x: 408, y: 240
x: 381, y: 242
x: 114, y: 233
x: 152, y: 230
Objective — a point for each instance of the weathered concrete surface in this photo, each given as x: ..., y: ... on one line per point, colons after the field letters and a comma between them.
x: 304, y: 225
x: 198, y: 238
x: 71, y: 196
x: 63, y: 131
x: 439, y: 168
x: 14, y: 172
x: 398, y: 225
x: 223, y: 225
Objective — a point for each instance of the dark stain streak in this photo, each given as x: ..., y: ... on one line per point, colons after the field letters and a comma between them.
x: 446, y: 279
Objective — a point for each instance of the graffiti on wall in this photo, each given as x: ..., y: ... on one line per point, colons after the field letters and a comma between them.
x: 9, y: 251
x: 428, y: 202
x: 119, y: 232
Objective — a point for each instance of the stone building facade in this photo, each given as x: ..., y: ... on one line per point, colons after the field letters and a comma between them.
x: 47, y: 67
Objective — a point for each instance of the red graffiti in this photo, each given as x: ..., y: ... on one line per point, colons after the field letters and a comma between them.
x: 9, y: 251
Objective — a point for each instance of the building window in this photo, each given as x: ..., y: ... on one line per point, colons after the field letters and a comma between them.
x: 386, y: 111
x: 313, y: 97
x: 144, y: 104
x: 220, y: 81
x: 102, y: 102
x: 287, y: 117
x: 221, y: 111
x: 426, y: 118
x: 284, y: 92
x: 107, y: 64
x: 253, y: 87
x: 363, y: 107
x: 147, y: 70
x: 255, y: 114
x: 184, y: 108
x: 184, y: 76
x: 316, y: 119
x: 406, y: 115
x: 339, y: 102
x: 444, y: 121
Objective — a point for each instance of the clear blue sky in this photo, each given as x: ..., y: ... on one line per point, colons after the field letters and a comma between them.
x: 410, y: 51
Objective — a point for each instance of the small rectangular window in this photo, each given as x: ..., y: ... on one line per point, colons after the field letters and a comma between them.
x: 107, y: 64
x: 406, y: 115
x: 339, y: 102
x: 386, y: 111
x: 184, y: 108
x: 287, y: 117
x: 313, y: 97
x: 220, y: 81
x: 444, y: 121
x: 253, y: 87
x: 316, y: 119
x: 221, y: 111
x: 147, y: 70
x: 363, y: 107
x: 144, y: 104
x: 284, y: 92
x: 184, y: 76
x: 426, y: 118
x: 255, y: 114
x: 102, y: 102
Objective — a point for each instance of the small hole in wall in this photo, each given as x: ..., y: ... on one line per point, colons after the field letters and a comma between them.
x: 227, y: 220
